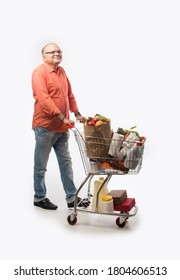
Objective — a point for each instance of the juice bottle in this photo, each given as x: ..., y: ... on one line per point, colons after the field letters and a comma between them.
x: 103, y: 192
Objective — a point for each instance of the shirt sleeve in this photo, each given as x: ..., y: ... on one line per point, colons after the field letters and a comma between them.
x: 72, y: 101
x: 40, y: 93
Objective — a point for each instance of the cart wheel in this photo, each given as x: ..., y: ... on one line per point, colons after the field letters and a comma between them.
x: 72, y: 221
x: 86, y: 202
x: 121, y: 225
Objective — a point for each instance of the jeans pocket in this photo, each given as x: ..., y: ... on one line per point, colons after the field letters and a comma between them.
x: 40, y: 130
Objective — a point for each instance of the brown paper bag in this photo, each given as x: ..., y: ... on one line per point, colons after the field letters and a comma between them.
x: 97, y: 140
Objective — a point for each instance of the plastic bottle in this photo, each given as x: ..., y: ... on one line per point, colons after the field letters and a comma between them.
x: 128, y: 144
x: 133, y: 156
x: 116, y: 143
x: 103, y: 192
x: 107, y: 204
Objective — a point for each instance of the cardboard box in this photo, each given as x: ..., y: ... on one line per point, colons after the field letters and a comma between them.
x: 126, y: 205
x: 118, y: 196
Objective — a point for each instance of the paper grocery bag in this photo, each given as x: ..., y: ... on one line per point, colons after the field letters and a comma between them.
x: 97, y: 140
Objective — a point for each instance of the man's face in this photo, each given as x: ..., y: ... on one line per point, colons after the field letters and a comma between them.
x: 52, y: 55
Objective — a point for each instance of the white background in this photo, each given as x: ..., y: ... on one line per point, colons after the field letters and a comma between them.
x: 122, y: 58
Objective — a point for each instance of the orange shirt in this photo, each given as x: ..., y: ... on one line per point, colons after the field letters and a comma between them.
x: 53, y: 94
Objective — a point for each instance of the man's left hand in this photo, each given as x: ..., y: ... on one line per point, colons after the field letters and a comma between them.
x: 81, y: 119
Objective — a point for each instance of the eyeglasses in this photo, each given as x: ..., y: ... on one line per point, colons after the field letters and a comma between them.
x: 53, y: 52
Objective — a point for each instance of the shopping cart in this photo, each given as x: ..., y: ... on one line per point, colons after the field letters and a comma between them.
x: 100, y: 163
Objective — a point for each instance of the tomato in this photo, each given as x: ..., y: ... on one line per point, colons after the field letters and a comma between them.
x: 91, y: 123
x: 95, y: 119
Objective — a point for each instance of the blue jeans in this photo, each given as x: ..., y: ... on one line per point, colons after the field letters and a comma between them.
x: 45, y: 141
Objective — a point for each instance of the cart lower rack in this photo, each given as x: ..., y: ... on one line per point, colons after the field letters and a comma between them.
x: 101, y: 162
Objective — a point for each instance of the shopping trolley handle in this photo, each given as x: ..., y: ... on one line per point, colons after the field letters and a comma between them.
x: 72, y: 125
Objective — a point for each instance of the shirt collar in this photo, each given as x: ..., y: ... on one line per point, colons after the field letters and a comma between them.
x: 49, y: 68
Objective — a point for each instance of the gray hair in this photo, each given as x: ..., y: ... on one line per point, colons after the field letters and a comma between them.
x: 42, y: 51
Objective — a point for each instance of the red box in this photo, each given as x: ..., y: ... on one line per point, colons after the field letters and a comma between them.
x: 125, y: 206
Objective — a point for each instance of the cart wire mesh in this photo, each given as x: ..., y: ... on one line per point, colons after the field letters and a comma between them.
x: 97, y: 157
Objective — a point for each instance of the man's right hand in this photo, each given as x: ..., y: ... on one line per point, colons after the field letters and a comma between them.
x: 68, y: 121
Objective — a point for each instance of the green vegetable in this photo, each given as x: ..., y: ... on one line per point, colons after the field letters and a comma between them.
x: 125, y: 131
x: 102, y: 118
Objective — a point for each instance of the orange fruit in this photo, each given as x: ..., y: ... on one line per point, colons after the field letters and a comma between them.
x: 98, y: 123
